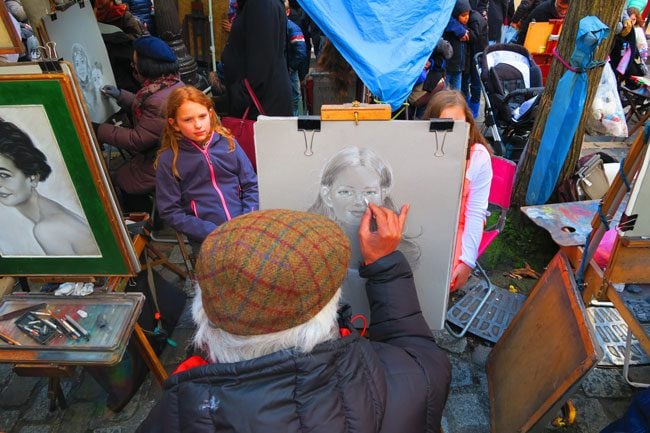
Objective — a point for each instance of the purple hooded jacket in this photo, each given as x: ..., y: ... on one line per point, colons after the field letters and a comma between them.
x: 215, y: 185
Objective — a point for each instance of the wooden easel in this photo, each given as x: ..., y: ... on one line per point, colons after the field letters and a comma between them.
x: 54, y: 372
x: 630, y: 256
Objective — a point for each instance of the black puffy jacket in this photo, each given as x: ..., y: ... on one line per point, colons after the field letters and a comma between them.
x: 256, y: 51
x: 397, y: 381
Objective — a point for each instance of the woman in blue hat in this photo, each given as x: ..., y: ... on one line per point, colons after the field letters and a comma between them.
x: 155, y: 66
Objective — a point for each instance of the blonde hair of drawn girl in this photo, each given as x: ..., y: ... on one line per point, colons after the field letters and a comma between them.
x: 171, y: 136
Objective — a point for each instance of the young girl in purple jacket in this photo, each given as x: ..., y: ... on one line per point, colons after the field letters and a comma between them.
x: 203, y: 177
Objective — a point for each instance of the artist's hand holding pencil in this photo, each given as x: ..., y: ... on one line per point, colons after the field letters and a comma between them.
x: 378, y: 243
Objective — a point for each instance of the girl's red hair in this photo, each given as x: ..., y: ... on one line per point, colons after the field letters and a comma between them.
x: 171, y: 137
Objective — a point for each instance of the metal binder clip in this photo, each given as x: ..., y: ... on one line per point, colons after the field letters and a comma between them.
x: 51, y: 51
x: 440, y: 126
x: 45, y: 53
x: 309, y: 123
x: 440, y: 148
x: 309, y: 146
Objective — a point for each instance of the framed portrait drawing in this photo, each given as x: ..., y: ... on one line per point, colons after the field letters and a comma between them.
x: 57, y: 206
x: 10, y: 42
x: 341, y: 167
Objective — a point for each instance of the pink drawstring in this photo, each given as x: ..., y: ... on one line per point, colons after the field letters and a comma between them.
x: 564, y: 62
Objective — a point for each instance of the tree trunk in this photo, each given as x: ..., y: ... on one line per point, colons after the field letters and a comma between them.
x: 609, y: 12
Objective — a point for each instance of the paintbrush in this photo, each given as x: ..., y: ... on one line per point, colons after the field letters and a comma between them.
x: 7, y: 339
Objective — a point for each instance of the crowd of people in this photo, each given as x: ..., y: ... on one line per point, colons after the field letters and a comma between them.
x: 270, y: 336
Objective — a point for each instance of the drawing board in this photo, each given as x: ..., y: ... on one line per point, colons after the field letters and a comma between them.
x: 638, y: 206
x: 76, y: 34
x: 336, y: 169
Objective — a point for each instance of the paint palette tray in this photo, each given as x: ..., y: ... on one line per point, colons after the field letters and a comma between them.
x: 35, y: 328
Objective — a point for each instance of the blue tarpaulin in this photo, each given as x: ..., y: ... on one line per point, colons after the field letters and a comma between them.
x: 566, y: 111
x: 387, y: 43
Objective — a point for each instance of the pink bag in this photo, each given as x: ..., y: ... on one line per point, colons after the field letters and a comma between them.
x: 242, y: 128
x: 625, y: 60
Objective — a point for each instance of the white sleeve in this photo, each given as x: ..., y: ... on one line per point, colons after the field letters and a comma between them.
x: 641, y: 41
x: 479, y: 176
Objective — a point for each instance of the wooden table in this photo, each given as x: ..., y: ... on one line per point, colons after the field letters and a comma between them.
x: 110, y: 321
x: 59, y: 360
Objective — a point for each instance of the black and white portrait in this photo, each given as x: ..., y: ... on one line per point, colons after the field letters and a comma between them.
x: 39, y: 207
x: 337, y: 170
x: 350, y: 180
x: 78, y: 41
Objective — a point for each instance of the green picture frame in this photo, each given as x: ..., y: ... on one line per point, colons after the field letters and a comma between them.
x: 90, y: 238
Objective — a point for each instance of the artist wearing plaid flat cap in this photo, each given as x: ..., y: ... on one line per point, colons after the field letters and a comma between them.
x: 278, y: 356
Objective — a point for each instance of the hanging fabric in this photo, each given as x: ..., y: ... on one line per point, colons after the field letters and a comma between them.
x: 566, y: 111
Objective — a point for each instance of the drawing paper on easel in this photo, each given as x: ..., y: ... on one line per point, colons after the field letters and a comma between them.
x: 78, y: 41
x: 338, y: 170
x: 638, y: 207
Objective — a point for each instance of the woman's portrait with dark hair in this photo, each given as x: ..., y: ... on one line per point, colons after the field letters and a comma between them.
x: 49, y: 224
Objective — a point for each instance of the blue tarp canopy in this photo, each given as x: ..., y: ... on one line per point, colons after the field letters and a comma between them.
x: 387, y: 43
x: 566, y: 111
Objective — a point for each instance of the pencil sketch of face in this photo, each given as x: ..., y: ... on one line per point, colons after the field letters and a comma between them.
x: 350, y: 180
x: 353, y: 188
x: 97, y: 76
x: 80, y: 62
x: 54, y: 228
x: 15, y: 186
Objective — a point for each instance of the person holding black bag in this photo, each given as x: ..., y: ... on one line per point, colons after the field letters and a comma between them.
x: 256, y: 52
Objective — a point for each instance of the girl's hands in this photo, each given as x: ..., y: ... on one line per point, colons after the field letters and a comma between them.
x: 383, y: 241
x: 460, y: 275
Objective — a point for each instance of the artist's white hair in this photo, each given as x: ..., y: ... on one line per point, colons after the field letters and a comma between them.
x: 224, y: 347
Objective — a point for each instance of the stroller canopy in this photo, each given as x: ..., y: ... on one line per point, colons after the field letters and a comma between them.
x: 513, y: 55
x: 512, y: 82
x: 387, y: 43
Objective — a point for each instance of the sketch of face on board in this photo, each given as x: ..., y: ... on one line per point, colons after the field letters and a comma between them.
x: 352, y: 190
x: 97, y: 76
x: 351, y: 177
x: 81, y: 64
x: 79, y: 41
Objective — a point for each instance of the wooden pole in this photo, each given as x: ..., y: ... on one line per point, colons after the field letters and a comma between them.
x: 609, y: 12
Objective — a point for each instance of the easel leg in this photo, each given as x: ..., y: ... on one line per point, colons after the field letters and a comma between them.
x: 55, y: 394
x: 160, y: 259
x: 54, y: 373
x: 148, y: 354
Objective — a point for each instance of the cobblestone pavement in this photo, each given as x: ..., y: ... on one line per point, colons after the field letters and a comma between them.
x: 602, y: 397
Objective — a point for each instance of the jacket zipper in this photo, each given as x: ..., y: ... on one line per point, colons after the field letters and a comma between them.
x: 212, y: 176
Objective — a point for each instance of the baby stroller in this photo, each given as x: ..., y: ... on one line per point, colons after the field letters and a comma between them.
x: 512, y: 84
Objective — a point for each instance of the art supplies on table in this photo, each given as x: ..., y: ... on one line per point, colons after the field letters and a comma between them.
x: 87, y: 330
